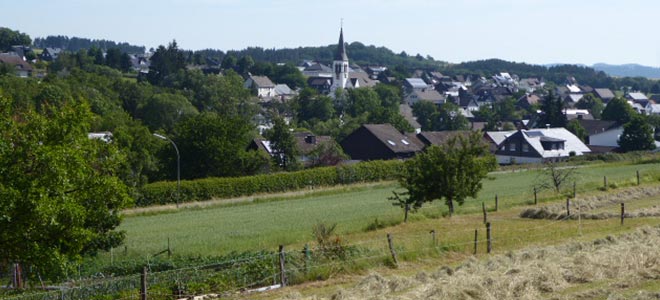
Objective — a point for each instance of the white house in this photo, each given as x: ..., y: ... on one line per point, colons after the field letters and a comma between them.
x: 264, y: 88
x: 536, y: 145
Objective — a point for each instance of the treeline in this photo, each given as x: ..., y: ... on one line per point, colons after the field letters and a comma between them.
x: 358, y: 53
x: 74, y: 44
x: 554, y: 74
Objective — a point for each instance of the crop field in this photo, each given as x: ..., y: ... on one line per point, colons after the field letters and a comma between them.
x: 267, y: 223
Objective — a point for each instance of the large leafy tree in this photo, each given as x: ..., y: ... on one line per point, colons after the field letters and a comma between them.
x: 309, y: 105
x: 637, y: 135
x: 424, y: 111
x: 452, y: 172
x: 10, y: 38
x: 618, y: 110
x: 163, y: 111
x: 449, y: 118
x: 212, y: 145
x: 166, y: 62
x: 60, y: 195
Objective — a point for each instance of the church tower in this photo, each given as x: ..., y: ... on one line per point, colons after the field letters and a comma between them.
x: 340, y: 65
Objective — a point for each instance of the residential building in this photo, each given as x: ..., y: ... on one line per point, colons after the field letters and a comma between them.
x: 379, y: 141
x: 537, y: 145
x: 261, y: 86
x: 21, y: 67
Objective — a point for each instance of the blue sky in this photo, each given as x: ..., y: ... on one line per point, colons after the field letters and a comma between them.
x: 533, y: 31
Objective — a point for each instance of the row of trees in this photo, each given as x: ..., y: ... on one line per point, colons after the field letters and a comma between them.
x: 73, y: 44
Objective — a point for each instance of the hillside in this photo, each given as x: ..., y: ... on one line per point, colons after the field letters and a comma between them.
x: 628, y: 70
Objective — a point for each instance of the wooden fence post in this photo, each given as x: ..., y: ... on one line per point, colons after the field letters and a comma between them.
x: 307, y: 258
x: 435, y: 243
x: 638, y: 181
x: 476, y: 233
x: 488, y: 238
x: 389, y: 242
x: 143, y: 284
x: 535, y: 199
x: 483, y: 208
x: 568, y: 207
x: 496, y: 202
x: 623, y: 212
x: 282, y: 270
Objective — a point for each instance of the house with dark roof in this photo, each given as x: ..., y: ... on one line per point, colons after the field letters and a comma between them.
x: 21, y: 67
x: 321, y: 84
x: 536, y: 145
x: 261, y: 86
x: 379, y: 141
x: 406, y: 111
x: 604, y: 94
x: 50, y: 54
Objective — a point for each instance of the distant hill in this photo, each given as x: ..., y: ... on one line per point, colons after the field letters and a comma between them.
x: 629, y: 70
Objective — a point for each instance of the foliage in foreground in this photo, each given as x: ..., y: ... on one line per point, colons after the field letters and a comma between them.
x: 60, y: 196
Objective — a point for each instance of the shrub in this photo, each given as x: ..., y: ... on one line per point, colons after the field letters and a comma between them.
x: 159, y: 193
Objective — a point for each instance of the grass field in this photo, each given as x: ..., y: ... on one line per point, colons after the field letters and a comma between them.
x: 268, y: 223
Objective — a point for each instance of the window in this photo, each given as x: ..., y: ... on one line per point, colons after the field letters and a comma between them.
x: 391, y: 143
x: 525, y: 147
x: 512, y: 147
x: 405, y: 142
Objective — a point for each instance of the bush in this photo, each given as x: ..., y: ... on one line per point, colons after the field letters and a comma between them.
x: 159, y: 193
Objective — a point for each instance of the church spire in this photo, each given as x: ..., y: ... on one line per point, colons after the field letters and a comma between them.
x: 341, y: 47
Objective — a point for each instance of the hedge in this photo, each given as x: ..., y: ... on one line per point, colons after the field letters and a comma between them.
x: 164, y: 192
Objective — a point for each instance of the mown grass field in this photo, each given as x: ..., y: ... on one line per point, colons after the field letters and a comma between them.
x: 268, y: 223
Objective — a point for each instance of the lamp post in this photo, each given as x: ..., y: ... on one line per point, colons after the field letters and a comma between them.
x: 178, y: 166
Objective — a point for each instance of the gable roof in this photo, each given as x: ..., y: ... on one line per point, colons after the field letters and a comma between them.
x: 392, y: 138
x: 16, y: 61
x: 262, y: 81
x: 430, y: 95
x: 534, y: 137
x: 597, y: 126
x: 603, y: 93
x: 416, y: 83
x: 637, y: 96
x: 439, y: 138
x: 406, y: 111
x: 283, y: 89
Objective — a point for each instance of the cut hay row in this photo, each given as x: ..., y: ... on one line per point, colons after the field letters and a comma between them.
x: 582, y: 206
x: 603, y: 268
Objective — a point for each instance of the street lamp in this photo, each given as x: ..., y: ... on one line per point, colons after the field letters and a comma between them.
x: 178, y: 166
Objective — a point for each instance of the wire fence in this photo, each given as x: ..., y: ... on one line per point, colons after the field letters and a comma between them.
x: 292, y: 266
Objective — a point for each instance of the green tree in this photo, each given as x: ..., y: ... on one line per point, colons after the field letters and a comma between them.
x: 618, y: 110
x: 424, y: 111
x: 244, y: 64
x: 448, y: 118
x: 637, y: 135
x: 166, y: 62
x: 592, y: 103
x: 310, y: 105
x: 362, y: 101
x: 229, y: 62
x: 284, y: 146
x: 164, y: 110
x: 576, y: 128
x: 552, y: 111
x: 10, y: 38
x: 212, y: 145
x: 327, y: 154
x: 60, y: 197
x: 452, y: 172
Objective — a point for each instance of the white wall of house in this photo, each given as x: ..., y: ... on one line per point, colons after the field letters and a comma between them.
x: 265, y: 92
x: 507, y: 160
x: 608, y: 138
